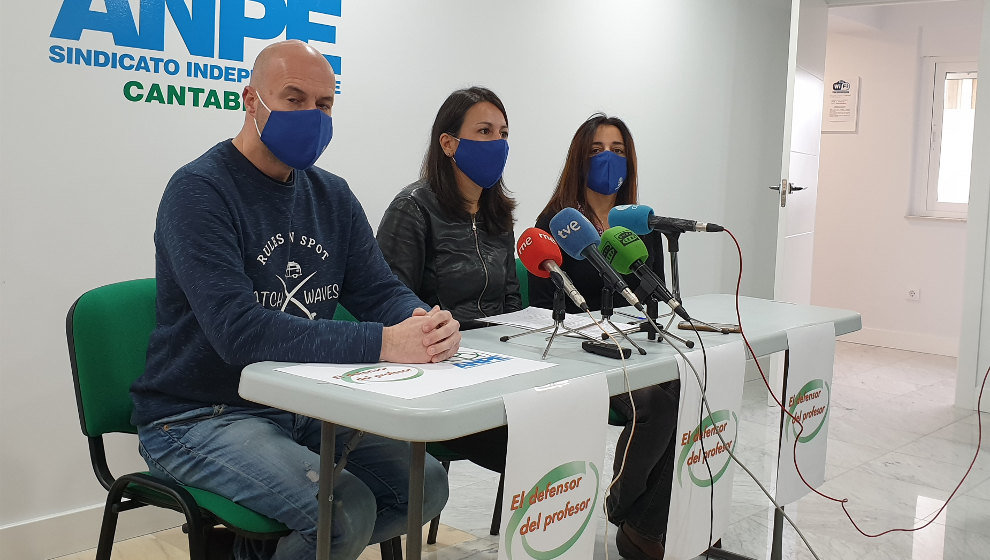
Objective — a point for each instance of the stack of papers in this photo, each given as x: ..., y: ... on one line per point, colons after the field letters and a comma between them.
x: 537, y: 318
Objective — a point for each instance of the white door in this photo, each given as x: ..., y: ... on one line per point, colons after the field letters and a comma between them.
x: 799, y: 162
x: 800, y: 152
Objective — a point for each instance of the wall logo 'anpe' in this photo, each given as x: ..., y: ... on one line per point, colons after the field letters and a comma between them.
x: 211, y: 29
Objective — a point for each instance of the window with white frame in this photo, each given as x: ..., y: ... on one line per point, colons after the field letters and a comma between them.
x: 948, y: 113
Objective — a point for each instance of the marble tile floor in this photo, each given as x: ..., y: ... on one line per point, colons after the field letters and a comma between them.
x: 897, y: 448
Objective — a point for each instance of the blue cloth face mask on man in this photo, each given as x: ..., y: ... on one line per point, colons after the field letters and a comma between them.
x: 297, y: 138
x: 607, y: 172
x: 483, y: 161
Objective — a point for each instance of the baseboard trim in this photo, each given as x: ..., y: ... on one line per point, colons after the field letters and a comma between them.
x: 76, y: 530
x: 913, y: 342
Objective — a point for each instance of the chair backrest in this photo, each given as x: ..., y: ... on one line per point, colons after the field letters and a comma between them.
x: 107, y: 330
x: 523, y: 276
x: 341, y: 314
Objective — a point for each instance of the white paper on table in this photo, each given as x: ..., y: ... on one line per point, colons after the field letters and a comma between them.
x: 537, y: 317
x: 409, y: 381
x: 695, y: 494
x: 553, y: 464
x: 808, y: 397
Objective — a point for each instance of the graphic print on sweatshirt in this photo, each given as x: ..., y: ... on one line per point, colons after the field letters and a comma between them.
x: 296, y: 263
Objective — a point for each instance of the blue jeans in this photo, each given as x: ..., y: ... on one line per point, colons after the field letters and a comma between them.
x: 268, y: 460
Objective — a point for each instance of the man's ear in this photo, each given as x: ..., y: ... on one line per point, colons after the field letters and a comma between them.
x: 250, y: 100
x: 448, y: 144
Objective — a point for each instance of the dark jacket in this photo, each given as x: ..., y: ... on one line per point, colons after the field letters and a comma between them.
x: 450, y: 261
x: 586, y: 278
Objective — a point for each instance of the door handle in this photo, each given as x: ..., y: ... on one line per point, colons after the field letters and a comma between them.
x: 785, y: 187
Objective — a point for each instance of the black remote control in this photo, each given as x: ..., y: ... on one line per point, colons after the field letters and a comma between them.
x: 606, y: 349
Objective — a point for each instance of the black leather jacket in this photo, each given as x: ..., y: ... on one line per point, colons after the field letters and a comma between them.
x: 452, y: 262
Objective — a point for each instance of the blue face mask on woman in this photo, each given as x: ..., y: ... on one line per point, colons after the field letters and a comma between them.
x: 297, y: 138
x: 607, y: 172
x: 483, y: 161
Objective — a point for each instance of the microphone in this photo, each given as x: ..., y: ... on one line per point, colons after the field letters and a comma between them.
x: 625, y: 251
x: 579, y: 239
x: 640, y: 219
x: 541, y: 256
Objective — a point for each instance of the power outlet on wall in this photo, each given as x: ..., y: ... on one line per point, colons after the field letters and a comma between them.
x: 913, y: 294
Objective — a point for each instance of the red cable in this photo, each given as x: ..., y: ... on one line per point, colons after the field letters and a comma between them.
x: 843, y: 501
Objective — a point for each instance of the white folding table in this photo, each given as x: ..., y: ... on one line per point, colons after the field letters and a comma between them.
x: 467, y: 410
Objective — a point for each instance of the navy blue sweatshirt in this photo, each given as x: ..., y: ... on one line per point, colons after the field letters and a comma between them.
x: 251, y: 269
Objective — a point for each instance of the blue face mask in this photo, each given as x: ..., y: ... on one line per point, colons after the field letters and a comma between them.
x: 482, y: 160
x: 607, y: 172
x: 297, y: 138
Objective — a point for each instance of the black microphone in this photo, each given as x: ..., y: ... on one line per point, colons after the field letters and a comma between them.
x: 640, y: 219
x: 664, y: 223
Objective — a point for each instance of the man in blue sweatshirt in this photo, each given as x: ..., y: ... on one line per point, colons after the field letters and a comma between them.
x: 255, y: 248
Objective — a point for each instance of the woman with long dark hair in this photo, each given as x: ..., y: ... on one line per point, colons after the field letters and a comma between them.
x: 599, y: 174
x: 448, y: 236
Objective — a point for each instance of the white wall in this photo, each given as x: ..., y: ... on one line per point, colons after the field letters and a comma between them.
x: 867, y: 253
x: 700, y: 83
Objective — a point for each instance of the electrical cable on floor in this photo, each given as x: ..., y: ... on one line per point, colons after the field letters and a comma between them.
x: 707, y: 407
x: 702, y: 384
x: 844, y: 501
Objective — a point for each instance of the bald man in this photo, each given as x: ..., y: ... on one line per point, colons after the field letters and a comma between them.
x: 254, y: 249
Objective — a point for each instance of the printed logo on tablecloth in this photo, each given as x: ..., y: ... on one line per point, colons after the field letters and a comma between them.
x: 380, y: 374
x: 722, y: 422
x: 551, y: 517
x: 467, y: 359
x: 810, y: 405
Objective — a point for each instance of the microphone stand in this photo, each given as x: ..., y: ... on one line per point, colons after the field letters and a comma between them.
x: 650, y: 326
x: 673, y: 247
x: 675, y: 279
x: 559, y: 313
x: 607, y: 317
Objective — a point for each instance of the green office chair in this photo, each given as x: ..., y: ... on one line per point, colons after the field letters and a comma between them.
x: 523, y: 275
x: 107, y: 330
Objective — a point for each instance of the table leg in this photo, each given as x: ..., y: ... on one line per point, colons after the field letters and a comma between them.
x: 414, y: 534
x: 776, y: 552
x: 328, y: 437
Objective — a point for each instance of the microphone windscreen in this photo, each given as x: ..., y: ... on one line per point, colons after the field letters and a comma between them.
x: 573, y: 232
x: 536, y: 246
x: 621, y: 248
x: 636, y: 217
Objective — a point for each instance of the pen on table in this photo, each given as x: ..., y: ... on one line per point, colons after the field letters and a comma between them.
x: 637, y: 317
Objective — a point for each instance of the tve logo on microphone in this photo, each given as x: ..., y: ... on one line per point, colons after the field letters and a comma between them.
x: 568, y: 229
x: 210, y: 29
